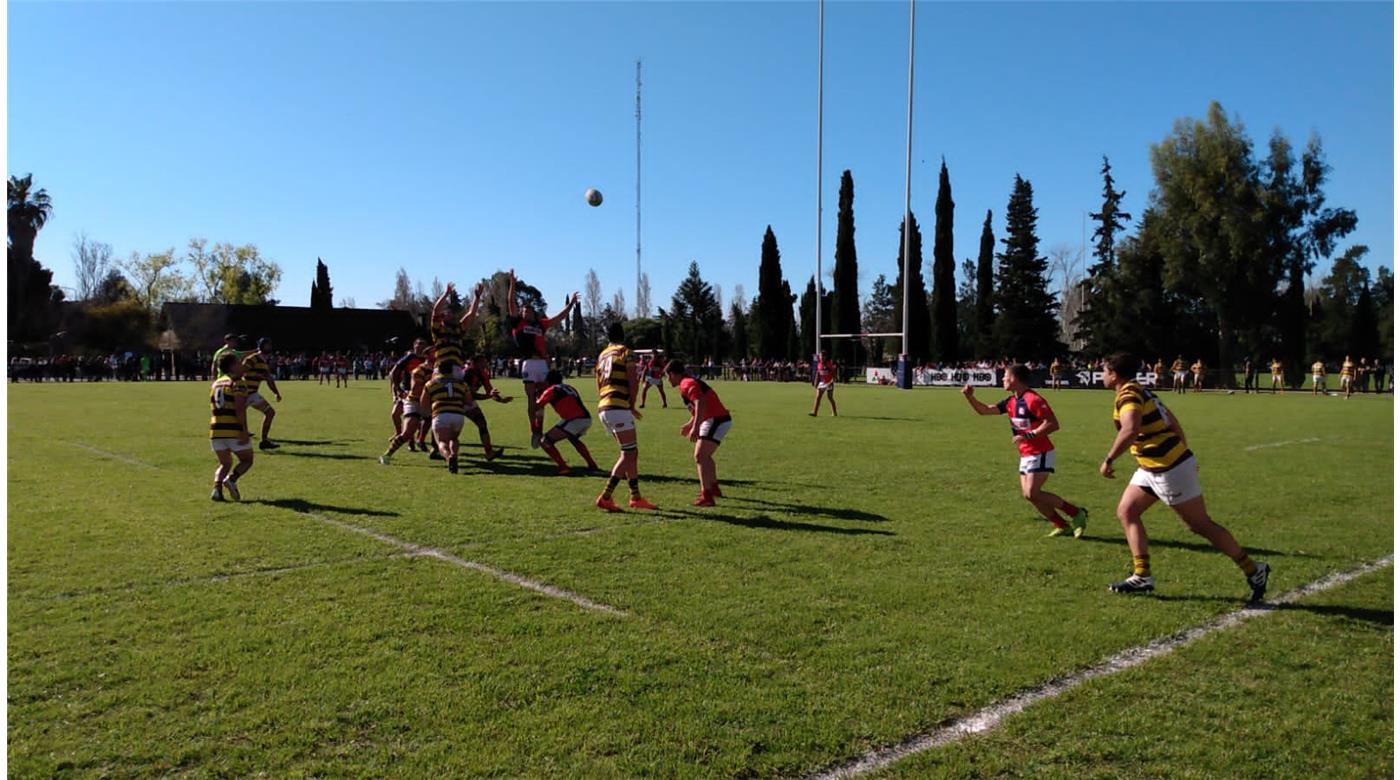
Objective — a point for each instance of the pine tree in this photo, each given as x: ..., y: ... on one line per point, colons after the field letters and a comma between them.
x: 945, y: 296
x: 695, y: 316
x: 1100, y: 297
x: 845, y: 301
x: 878, y: 317
x: 1025, y: 326
x: 986, y: 294
x: 919, y: 336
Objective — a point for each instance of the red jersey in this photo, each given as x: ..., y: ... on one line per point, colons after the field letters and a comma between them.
x: 479, y: 379
x: 826, y: 372
x: 692, y: 390
x: 1026, y: 411
x: 529, y: 338
x: 565, y: 401
x: 655, y: 368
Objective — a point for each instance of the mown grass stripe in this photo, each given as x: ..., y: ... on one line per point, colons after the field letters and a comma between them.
x: 991, y: 716
x: 500, y: 574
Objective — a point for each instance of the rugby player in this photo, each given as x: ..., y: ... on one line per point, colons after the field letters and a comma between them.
x: 1167, y: 472
x: 652, y: 370
x: 448, y: 396
x: 478, y: 380
x: 1055, y: 374
x: 401, y: 381
x: 257, y: 370
x: 1032, y: 422
x: 447, y: 332
x: 1348, y: 374
x: 1160, y: 370
x: 1276, y: 370
x: 1319, y: 377
x: 228, y: 427
x: 527, y: 331
x: 1198, y: 374
x: 825, y: 376
x: 414, y: 406
x: 230, y: 347
x: 1178, y: 375
x: 616, y: 373
x: 574, y: 421
x: 709, y: 423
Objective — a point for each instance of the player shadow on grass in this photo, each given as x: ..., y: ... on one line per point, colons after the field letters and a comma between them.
x: 883, y: 419
x: 803, y: 509
x: 312, y: 442
x: 764, y: 521
x: 327, y: 455
x: 1196, y: 546
x: 307, y: 507
x: 1380, y: 618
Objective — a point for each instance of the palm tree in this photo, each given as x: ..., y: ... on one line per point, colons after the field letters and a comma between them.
x: 28, y: 211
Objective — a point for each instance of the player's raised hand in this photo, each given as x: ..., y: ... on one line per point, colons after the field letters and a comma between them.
x: 967, y: 390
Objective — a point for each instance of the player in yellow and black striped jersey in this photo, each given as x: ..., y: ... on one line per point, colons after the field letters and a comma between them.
x: 1348, y: 375
x: 1275, y: 374
x: 1167, y: 472
x: 228, y: 427
x: 448, y: 396
x: 257, y: 370
x: 447, y: 332
x: 1178, y: 375
x: 617, y: 377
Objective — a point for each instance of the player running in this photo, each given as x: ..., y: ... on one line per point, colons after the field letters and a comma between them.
x: 228, y: 427
x: 1198, y: 374
x: 826, y: 383
x: 257, y: 370
x: 1032, y: 422
x: 574, y: 421
x: 652, y: 371
x: 527, y: 331
x: 415, y: 413
x: 1167, y: 472
x: 616, y: 373
x: 709, y: 423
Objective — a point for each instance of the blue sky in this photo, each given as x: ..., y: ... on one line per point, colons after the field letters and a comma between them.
x: 454, y: 139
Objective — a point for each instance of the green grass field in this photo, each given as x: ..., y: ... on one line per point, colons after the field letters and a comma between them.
x: 865, y: 578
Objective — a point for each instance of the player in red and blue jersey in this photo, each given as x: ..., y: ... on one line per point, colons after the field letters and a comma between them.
x: 652, y: 374
x: 1032, y: 422
x: 825, y: 371
x: 708, y: 425
x: 527, y: 331
x: 574, y: 421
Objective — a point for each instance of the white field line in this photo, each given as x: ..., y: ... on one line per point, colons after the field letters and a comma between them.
x: 107, y: 454
x: 1280, y: 444
x: 991, y: 716
x: 500, y: 574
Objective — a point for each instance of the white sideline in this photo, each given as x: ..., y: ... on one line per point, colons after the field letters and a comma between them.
x: 500, y: 574
x: 1280, y: 444
x: 991, y: 716
x: 107, y: 454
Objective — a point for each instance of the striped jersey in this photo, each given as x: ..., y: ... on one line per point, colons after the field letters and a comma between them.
x: 223, y: 408
x: 1276, y: 367
x: 1319, y: 369
x: 1157, y: 447
x: 565, y: 400
x: 448, y: 396
x: 255, y: 371
x: 1178, y: 365
x: 1198, y: 368
x: 447, y: 343
x: 616, y: 365
x: 1348, y: 369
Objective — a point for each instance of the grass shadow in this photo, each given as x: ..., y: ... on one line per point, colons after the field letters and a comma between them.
x: 1377, y: 617
x: 768, y: 523
x: 878, y: 417
x: 1195, y: 546
x: 306, y: 507
x: 328, y: 455
x: 803, y: 509
x: 312, y: 442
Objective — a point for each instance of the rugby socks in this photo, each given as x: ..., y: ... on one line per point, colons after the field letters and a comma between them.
x: 612, y: 485
x: 1142, y: 567
x: 1068, y: 508
x: 634, y: 489
x: 1246, y: 564
x: 553, y: 453
x: 1059, y: 522
x: 588, y: 456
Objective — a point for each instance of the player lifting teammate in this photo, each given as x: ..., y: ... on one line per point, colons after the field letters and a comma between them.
x: 1032, y: 422
x: 709, y: 423
x: 257, y: 370
x: 574, y: 421
x: 825, y: 376
x: 616, y: 373
x: 448, y: 396
x: 479, y: 388
x: 1167, y: 472
x: 228, y: 427
x: 527, y: 331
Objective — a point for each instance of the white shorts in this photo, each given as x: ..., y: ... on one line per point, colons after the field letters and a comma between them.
x: 534, y: 370
x: 1177, y: 486
x: 1179, y: 376
x: 230, y: 445
x: 325, y: 370
x: 1277, y: 378
x: 1346, y: 382
x: 654, y: 381
x: 1318, y: 379
x: 824, y: 385
x: 715, y: 428
x: 342, y: 371
x: 576, y: 427
x: 448, y: 425
x: 256, y: 401
x: 1033, y: 464
x: 411, y: 409
x: 617, y: 420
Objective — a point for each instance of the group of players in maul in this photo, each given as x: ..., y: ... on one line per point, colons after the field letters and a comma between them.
x: 436, y: 388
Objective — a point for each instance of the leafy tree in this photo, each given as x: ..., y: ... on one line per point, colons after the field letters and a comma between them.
x: 321, y: 288
x: 1383, y: 292
x: 985, y: 317
x: 643, y: 332
x: 91, y: 262
x: 1342, y: 294
x: 695, y: 316
x: 945, y: 300
x: 1096, y: 317
x: 156, y: 278
x: 113, y: 287
x: 845, y: 302
x: 879, y: 317
x: 230, y: 274
x: 1025, y: 326
x: 644, y: 295
x: 967, y: 305
x: 920, y: 348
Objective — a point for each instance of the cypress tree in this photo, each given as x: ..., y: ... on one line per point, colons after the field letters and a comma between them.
x: 986, y: 293
x: 1025, y: 326
x: 919, y: 337
x: 321, y: 289
x: 773, y: 308
x: 945, y: 293
x: 845, y: 300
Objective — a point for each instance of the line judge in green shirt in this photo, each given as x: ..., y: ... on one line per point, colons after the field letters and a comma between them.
x: 230, y: 347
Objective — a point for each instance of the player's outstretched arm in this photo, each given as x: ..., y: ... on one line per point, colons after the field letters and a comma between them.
x: 569, y: 301
x: 977, y: 406
x: 441, y: 301
x: 469, y: 316
x: 510, y: 297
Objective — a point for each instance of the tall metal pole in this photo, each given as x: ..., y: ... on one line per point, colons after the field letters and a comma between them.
x: 640, y: 312
x: 821, y: 39
x: 908, y: 159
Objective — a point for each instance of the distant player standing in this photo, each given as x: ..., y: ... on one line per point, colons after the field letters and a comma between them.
x: 1055, y: 369
x: 652, y: 377
x: 1032, y: 422
x: 616, y: 373
x: 709, y: 423
x: 1275, y: 374
x: 230, y: 347
x: 528, y: 331
x: 1198, y: 374
x: 1348, y: 375
x: 1178, y: 375
x: 228, y: 427
x: 1159, y: 370
x: 824, y: 377
x: 574, y: 421
x: 1319, y: 371
x: 257, y: 370
x: 1167, y: 472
